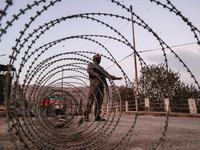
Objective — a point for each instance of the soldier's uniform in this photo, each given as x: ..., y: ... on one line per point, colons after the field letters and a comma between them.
x: 97, y: 76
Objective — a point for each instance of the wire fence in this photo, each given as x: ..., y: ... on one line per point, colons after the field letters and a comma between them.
x: 159, y: 105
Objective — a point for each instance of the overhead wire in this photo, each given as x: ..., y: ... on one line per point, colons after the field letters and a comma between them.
x: 150, y: 50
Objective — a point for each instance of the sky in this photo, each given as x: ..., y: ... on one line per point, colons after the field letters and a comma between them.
x: 168, y: 26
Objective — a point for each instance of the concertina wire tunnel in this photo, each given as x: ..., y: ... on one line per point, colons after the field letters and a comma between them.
x: 40, y: 73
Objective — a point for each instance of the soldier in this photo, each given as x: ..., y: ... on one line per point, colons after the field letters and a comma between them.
x: 97, y: 76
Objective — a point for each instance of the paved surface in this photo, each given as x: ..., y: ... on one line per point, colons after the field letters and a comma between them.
x: 183, y: 133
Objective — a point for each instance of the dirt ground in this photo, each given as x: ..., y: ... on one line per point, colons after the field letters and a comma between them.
x: 182, y: 133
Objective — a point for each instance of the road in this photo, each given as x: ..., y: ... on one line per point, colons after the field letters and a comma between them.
x: 182, y: 133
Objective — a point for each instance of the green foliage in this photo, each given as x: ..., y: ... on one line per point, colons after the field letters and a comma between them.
x: 127, y: 94
x: 155, y: 80
x: 158, y: 82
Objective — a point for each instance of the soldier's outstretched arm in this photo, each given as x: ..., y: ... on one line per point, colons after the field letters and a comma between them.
x: 115, y: 78
x: 111, y: 76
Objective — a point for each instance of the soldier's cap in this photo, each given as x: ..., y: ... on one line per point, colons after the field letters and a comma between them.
x: 97, y: 56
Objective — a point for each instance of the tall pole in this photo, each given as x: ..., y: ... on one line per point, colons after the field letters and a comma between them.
x: 62, y: 78
x: 62, y: 83
x: 62, y: 99
x: 135, y: 60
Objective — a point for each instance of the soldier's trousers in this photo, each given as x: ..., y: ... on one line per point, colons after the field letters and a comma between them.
x: 96, y: 94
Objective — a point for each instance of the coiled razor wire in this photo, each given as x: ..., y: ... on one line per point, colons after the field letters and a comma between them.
x: 38, y: 77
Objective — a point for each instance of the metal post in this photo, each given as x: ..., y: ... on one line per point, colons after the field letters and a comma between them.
x: 135, y: 61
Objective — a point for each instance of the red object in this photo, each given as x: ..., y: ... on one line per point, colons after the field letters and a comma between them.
x: 52, y: 101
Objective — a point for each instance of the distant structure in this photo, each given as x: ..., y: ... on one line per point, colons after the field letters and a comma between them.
x: 3, y: 71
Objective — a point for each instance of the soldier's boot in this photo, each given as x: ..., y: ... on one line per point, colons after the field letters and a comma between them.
x: 98, y: 118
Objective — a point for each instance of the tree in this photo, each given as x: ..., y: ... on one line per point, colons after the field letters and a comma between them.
x: 158, y: 82
x: 181, y: 94
x: 127, y: 94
